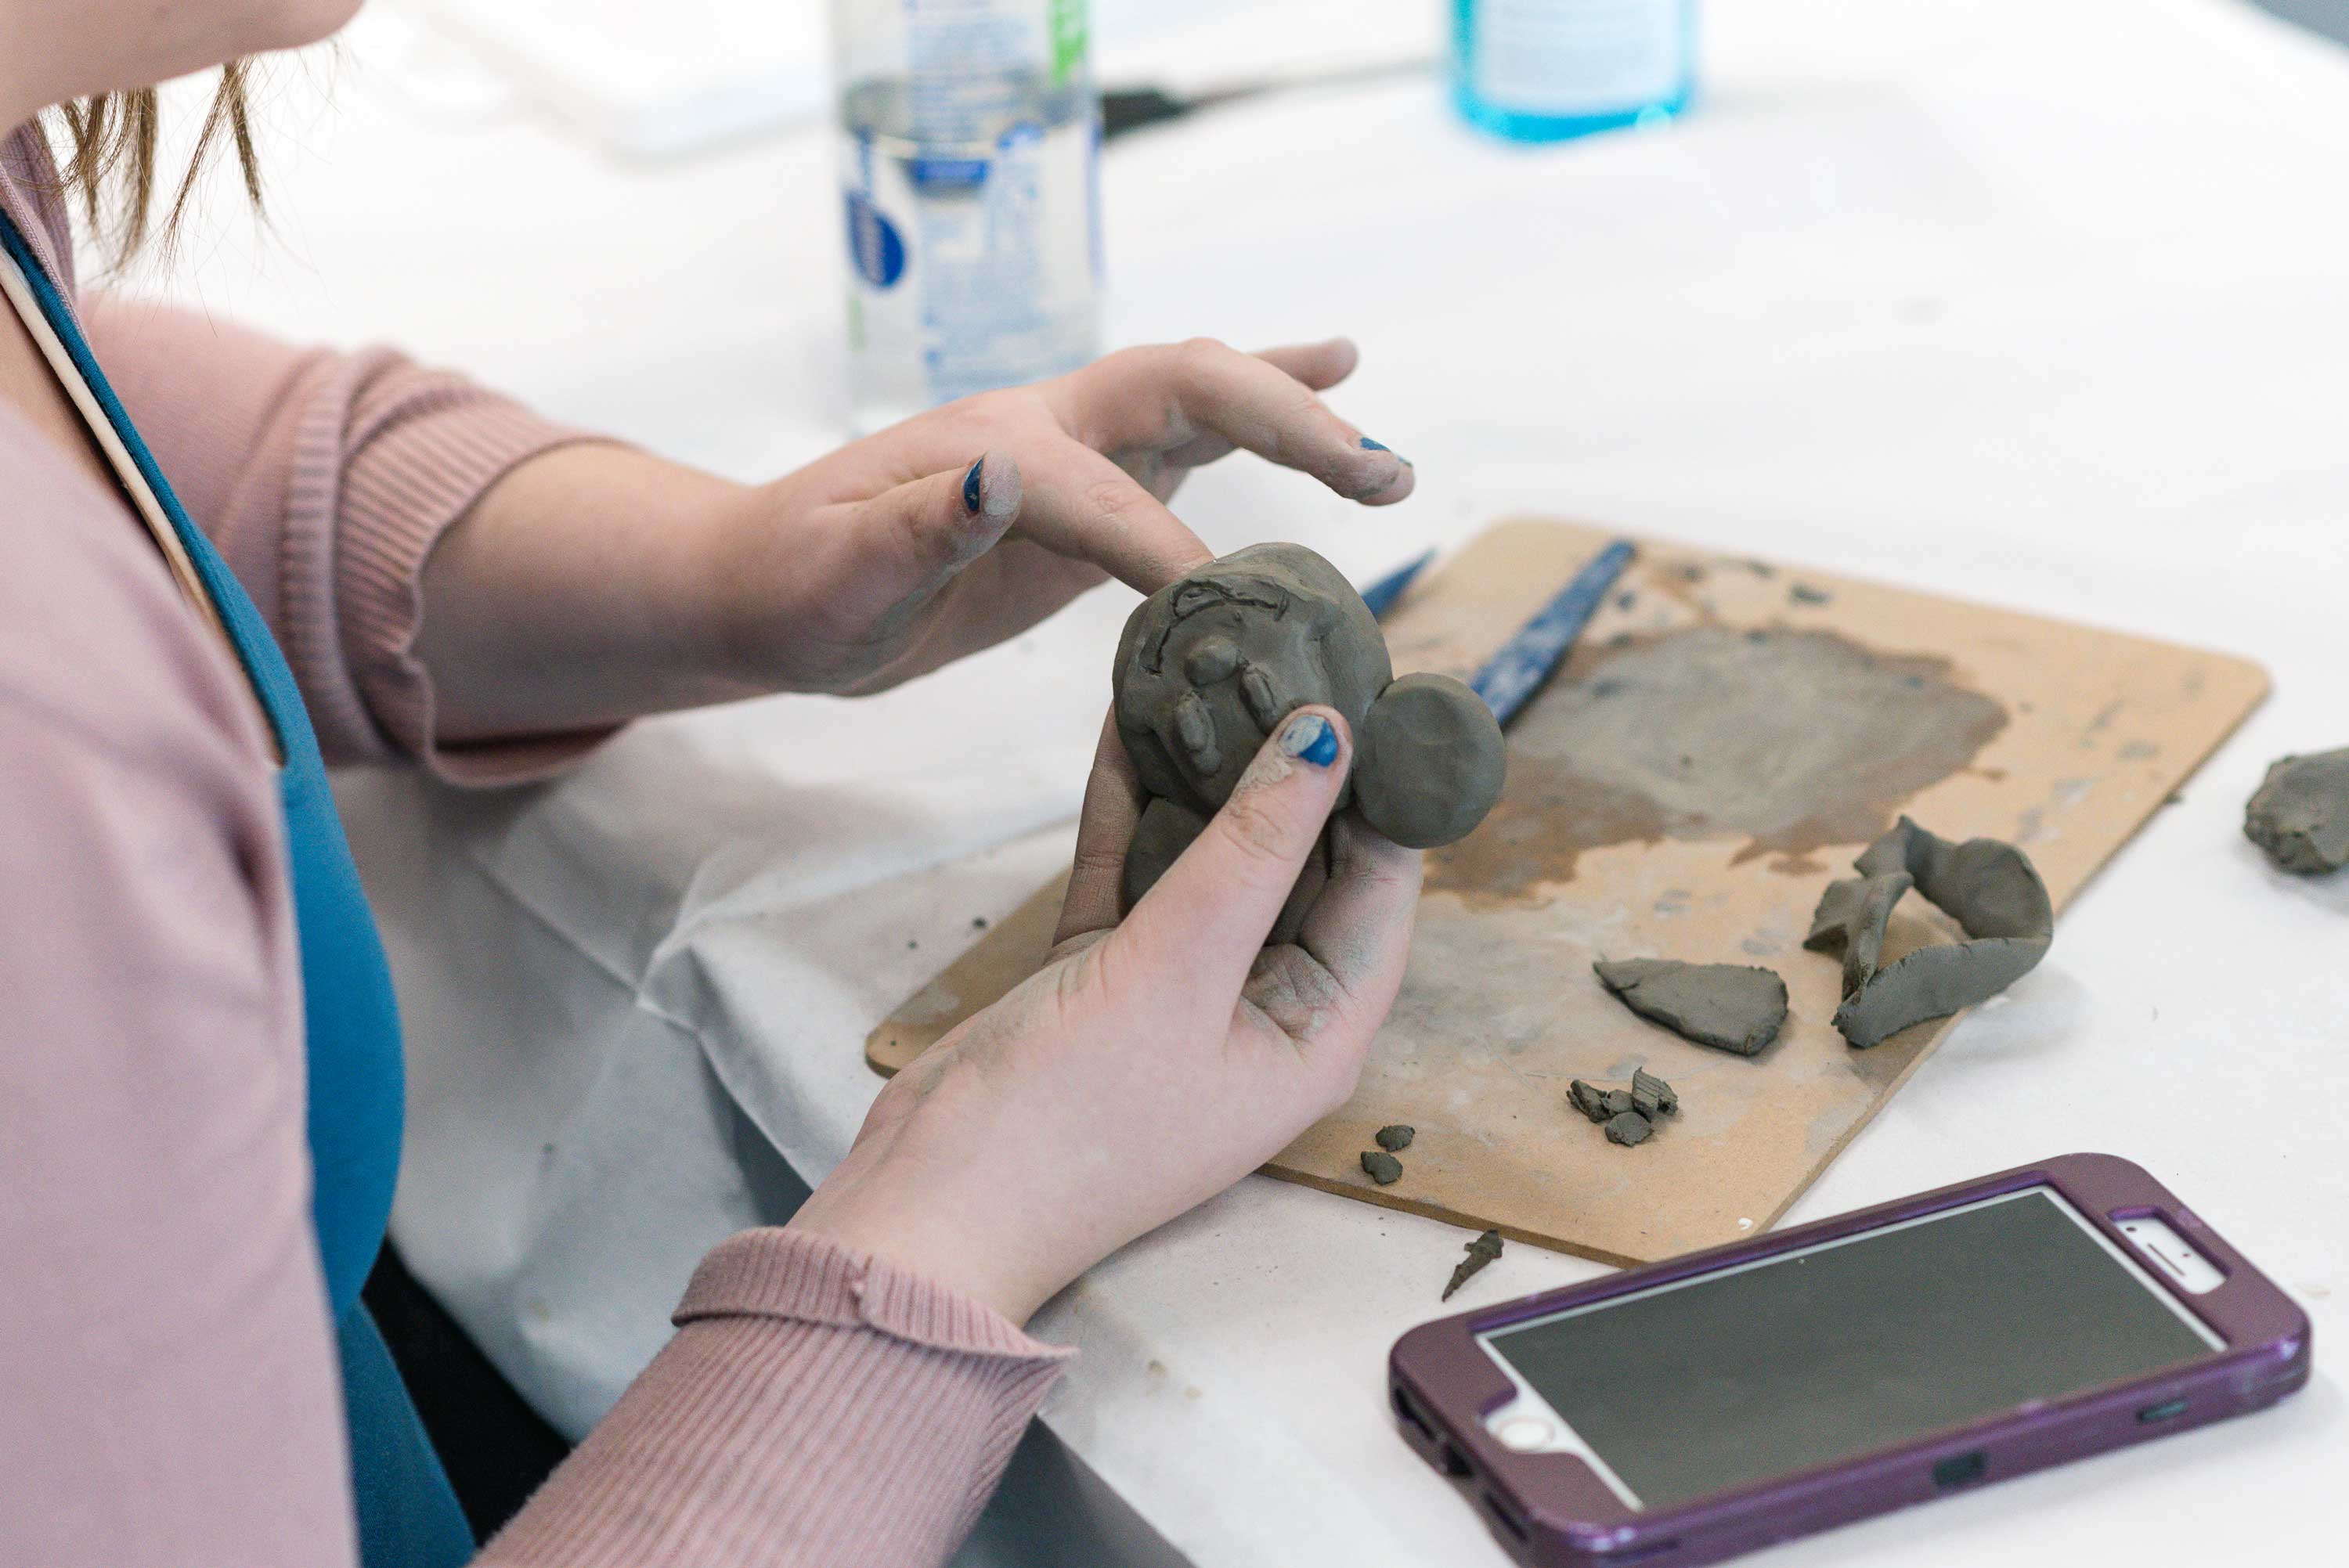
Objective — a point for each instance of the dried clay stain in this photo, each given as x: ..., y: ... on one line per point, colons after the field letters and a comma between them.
x: 1790, y: 741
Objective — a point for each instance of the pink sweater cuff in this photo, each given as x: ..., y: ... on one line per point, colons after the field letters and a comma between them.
x: 404, y: 486
x: 818, y: 1409
x: 787, y: 1274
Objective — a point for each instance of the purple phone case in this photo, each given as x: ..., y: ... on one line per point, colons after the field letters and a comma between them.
x: 1553, y: 1510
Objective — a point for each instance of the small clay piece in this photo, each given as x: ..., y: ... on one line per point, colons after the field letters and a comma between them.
x: 1480, y: 1250
x: 1396, y: 1137
x: 2300, y: 813
x: 1629, y: 1129
x: 1990, y: 889
x: 1667, y: 1099
x: 1384, y: 1169
x: 1645, y: 1102
x: 1210, y: 664
x: 1589, y: 1099
x: 1729, y: 1005
x: 1615, y: 1101
x: 1804, y: 593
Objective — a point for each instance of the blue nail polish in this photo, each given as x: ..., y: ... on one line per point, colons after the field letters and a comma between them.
x: 1310, y: 738
x: 1370, y: 445
x: 970, y: 486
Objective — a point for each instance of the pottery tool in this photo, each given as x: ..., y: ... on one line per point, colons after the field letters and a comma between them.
x: 1528, y: 659
x: 1724, y: 737
x: 1380, y: 595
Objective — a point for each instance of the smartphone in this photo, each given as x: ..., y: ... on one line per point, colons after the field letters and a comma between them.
x: 1692, y: 1410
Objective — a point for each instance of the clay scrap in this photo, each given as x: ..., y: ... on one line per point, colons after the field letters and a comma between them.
x: 1989, y: 888
x: 1209, y: 666
x: 1629, y: 1115
x: 1480, y: 1250
x: 1381, y: 1168
x: 2300, y: 813
x: 1395, y: 1136
x: 1728, y: 1005
x: 1628, y: 1129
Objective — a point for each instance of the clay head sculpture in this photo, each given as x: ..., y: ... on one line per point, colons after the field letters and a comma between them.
x: 1211, y: 663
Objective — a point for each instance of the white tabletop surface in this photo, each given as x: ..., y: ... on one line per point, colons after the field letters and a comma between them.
x: 2033, y: 302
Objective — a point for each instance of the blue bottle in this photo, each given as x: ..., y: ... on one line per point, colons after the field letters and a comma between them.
x: 1543, y: 70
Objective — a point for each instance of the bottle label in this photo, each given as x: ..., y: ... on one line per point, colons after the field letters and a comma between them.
x: 1577, y: 56
x: 969, y: 203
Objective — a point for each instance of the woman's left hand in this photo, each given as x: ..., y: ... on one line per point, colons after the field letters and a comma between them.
x: 967, y: 525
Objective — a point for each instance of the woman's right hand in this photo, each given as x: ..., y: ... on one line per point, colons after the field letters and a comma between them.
x: 1151, y: 1063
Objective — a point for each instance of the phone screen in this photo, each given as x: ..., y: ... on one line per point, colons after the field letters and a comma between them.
x: 1816, y: 1355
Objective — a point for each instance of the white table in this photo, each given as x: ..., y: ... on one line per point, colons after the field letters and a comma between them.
x: 2034, y: 303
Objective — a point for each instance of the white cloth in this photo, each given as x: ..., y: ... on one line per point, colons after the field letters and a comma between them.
x: 2028, y: 302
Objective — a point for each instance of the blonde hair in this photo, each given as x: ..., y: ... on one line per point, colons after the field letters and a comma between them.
x: 109, y: 158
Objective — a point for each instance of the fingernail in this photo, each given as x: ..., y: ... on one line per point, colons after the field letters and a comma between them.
x: 970, y: 487
x: 1371, y: 446
x: 1310, y: 738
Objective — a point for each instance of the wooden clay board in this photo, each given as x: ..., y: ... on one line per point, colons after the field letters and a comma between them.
x: 1634, y: 830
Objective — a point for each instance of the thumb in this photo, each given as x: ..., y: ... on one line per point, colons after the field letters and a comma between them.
x: 1204, y: 922
x: 906, y: 544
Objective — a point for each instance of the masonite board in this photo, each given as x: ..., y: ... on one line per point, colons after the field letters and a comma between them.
x: 2064, y: 739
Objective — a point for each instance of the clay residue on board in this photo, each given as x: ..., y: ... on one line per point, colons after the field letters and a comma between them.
x: 1790, y: 741
x: 1731, y: 1006
x: 2300, y: 813
x: 1990, y: 889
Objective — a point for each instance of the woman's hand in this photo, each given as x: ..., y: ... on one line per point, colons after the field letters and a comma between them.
x: 1150, y: 1064
x: 967, y: 525
x: 593, y: 583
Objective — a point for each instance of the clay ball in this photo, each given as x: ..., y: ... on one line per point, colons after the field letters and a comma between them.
x: 1427, y: 761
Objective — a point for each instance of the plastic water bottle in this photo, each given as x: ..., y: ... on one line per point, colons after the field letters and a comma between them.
x: 971, y: 135
x: 1543, y: 70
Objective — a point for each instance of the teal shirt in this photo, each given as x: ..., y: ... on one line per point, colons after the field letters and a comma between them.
x: 407, y: 1515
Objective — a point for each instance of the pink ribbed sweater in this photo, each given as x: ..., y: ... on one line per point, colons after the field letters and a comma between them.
x: 167, y: 1381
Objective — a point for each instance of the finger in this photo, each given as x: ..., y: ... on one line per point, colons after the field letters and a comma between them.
x: 1320, y: 366
x: 1113, y: 801
x: 1360, y: 928
x: 1080, y: 504
x: 1204, y: 922
x: 1169, y: 394
x: 905, y: 544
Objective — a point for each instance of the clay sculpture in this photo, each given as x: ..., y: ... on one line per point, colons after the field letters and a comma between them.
x: 1990, y: 889
x: 1211, y: 663
x: 1728, y: 1005
x: 2300, y: 813
x: 1480, y: 1250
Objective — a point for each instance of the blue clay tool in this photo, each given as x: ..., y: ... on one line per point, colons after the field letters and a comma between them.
x: 1380, y: 595
x: 1526, y: 660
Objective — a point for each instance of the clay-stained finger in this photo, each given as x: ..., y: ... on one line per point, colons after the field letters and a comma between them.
x: 898, y: 549
x: 1171, y: 394
x: 1207, y: 916
x: 1320, y: 366
x: 1080, y: 504
x: 1113, y: 801
x: 1360, y: 928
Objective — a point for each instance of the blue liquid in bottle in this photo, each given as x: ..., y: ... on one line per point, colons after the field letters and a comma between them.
x: 1544, y: 70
